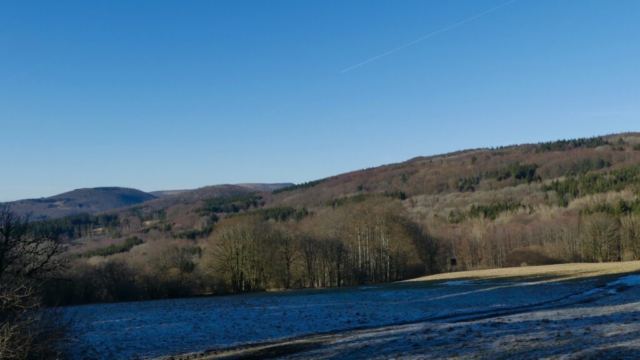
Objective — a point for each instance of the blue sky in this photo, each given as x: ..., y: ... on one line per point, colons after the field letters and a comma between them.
x: 173, y: 95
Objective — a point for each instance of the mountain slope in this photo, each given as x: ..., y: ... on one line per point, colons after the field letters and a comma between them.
x: 265, y: 187
x: 476, y: 176
x: 252, y: 186
x: 87, y: 200
x: 183, y: 197
x: 534, y: 204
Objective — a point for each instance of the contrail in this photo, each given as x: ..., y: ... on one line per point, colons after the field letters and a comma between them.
x: 428, y: 36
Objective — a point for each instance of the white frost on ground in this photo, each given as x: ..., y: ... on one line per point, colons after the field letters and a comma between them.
x: 157, y: 328
x: 608, y: 328
x: 630, y: 280
x: 457, y: 283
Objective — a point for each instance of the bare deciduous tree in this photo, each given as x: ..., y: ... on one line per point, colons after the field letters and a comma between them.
x: 26, y: 260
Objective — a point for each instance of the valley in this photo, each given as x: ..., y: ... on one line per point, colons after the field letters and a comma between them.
x: 403, y: 260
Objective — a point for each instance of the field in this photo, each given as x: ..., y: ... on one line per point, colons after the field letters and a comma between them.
x: 559, y: 311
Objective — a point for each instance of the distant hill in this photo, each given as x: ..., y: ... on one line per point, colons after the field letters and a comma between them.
x: 88, y: 200
x: 252, y: 186
x: 168, y: 198
x: 266, y: 187
x: 165, y: 193
x: 575, y: 200
x: 107, y: 199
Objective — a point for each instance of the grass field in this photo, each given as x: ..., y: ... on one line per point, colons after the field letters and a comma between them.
x: 457, y: 315
x: 547, y: 273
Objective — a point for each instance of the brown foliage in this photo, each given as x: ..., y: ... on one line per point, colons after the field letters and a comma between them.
x: 532, y: 255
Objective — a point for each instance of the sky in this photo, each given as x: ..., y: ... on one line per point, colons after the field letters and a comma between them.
x: 160, y: 95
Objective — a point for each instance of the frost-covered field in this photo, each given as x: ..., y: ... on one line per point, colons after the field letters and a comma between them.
x: 468, y: 318
x: 602, y: 324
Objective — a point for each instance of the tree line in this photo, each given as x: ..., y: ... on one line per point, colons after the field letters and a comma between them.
x: 360, y: 243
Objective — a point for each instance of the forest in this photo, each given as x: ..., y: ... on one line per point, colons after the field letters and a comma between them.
x: 557, y: 202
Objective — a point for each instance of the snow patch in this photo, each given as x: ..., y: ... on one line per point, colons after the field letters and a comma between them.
x: 610, y: 288
x: 631, y: 280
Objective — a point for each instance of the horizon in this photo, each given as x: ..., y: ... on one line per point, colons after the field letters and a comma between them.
x: 168, y: 96
x: 326, y: 177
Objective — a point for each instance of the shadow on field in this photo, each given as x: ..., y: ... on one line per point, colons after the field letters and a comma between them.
x: 272, y: 351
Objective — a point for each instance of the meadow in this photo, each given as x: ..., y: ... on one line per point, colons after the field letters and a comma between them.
x: 532, y: 311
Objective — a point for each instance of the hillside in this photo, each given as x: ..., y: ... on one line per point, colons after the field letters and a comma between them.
x: 533, y: 204
x: 252, y: 186
x: 266, y: 187
x: 435, y: 185
x: 116, y: 199
x: 88, y: 200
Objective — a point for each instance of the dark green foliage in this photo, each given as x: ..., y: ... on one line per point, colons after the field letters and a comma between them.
x: 469, y: 183
x: 589, y: 165
x: 231, y: 204
x: 299, y: 186
x: 278, y: 213
x: 194, y: 233
x: 46, y: 200
x: 487, y: 211
x: 185, y: 255
x: 521, y: 172
x: 492, y: 211
x: 395, y: 194
x: 636, y: 147
x: 622, y: 207
x: 112, y: 249
x: 563, y: 145
x: 456, y: 217
x: 573, y: 187
x: 214, y: 218
x: 341, y: 201
x: 524, y: 172
x: 74, y: 226
x: 358, y: 198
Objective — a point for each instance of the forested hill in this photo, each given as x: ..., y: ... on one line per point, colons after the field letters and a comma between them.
x: 252, y: 186
x: 572, y: 200
x: 459, y: 175
x: 88, y: 200
x: 104, y: 199
x: 186, y: 197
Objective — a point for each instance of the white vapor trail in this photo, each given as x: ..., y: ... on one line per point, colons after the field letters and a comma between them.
x: 428, y: 36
